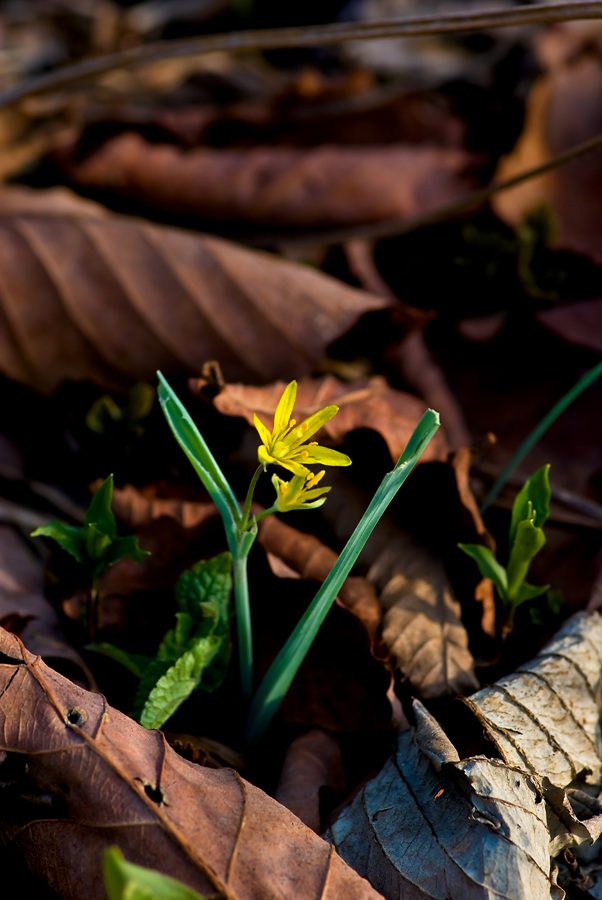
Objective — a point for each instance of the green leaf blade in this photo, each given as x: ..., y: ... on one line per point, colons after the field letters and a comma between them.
x: 99, y: 512
x: 536, y: 490
x: 528, y: 542
x: 488, y: 565
x: 126, y: 881
x: 66, y: 536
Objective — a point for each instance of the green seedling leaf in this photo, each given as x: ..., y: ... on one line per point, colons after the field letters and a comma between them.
x: 528, y: 542
x: 488, y: 566
x: 535, y: 491
x: 196, y: 652
x: 126, y: 881
x: 529, y: 592
x: 99, y: 515
x: 68, y: 537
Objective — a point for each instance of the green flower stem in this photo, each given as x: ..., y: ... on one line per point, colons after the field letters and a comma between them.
x: 243, y: 624
x: 249, y: 498
x: 539, y: 430
x: 286, y: 665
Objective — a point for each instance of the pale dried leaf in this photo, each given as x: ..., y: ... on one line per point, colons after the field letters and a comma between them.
x: 369, y: 403
x: 312, y: 761
x: 432, y: 826
x: 422, y: 626
x: 578, y: 323
x: 287, y: 187
x: 219, y: 834
x: 111, y: 300
x: 545, y: 717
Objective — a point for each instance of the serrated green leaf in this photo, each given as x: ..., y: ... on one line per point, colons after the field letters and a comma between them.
x: 536, y: 491
x: 99, y: 512
x: 126, y: 881
x: 195, y: 653
x: 488, y: 566
x: 68, y: 537
x: 528, y: 541
x: 136, y: 663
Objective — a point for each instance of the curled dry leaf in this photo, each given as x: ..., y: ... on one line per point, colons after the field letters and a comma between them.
x: 545, y: 717
x: 431, y: 826
x: 25, y: 610
x: 110, y: 300
x: 422, y: 627
x: 312, y: 761
x: 564, y: 109
x: 280, y: 186
x: 368, y: 403
x: 209, y: 828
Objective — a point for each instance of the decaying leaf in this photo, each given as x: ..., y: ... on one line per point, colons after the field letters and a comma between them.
x: 545, y: 717
x: 433, y: 826
x: 578, y: 323
x: 95, y: 778
x: 564, y: 109
x: 280, y: 186
x: 422, y: 626
x: 312, y: 761
x: 25, y: 610
x: 112, y: 299
x: 369, y: 403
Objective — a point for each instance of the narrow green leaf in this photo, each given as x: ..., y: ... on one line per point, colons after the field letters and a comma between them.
x: 126, y: 881
x: 68, y: 537
x: 99, y: 512
x: 488, y: 566
x: 536, y: 490
x: 286, y: 665
x: 192, y: 443
x: 528, y: 542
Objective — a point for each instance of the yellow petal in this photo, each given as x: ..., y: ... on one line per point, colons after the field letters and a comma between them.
x: 284, y: 409
x: 309, y: 426
x: 264, y: 434
x: 324, y: 456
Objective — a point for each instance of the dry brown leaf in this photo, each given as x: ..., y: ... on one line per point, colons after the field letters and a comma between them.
x: 564, y: 109
x: 578, y: 323
x: 310, y: 558
x: 370, y: 403
x: 25, y: 610
x: 110, y: 300
x: 422, y: 626
x: 321, y: 187
x: 105, y: 780
x: 135, y: 507
x: 312, y: 761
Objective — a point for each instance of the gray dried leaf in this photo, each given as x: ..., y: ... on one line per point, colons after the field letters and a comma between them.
x: 432, y: 826
x: 422, y: 627
x: 545, y: 717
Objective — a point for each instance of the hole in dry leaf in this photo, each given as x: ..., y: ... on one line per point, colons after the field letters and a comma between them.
x: 76, y: 716
x: 154, y: 793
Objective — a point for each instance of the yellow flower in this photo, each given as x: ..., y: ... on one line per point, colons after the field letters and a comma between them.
x: 300, y: 492
x: 284, y: 445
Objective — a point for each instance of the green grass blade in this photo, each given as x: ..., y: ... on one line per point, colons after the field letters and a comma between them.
x: 539, y: 430
x: 284, y: 668
x: 192, y: 443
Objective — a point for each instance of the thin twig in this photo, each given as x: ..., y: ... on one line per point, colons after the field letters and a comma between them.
x: 311, y: 36
x: 471, y: 203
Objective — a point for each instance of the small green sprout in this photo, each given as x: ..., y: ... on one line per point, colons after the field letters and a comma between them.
x: 125, y: 881
x: 286, y: 446
x: 526, y: 538
x: 95, y: 545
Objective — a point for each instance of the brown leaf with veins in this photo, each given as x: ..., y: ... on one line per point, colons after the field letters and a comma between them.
x: 95, y: 778
x: 111, y: 299
x: 422, y: 626
x: 324, y: 186
x: 369, y: 403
